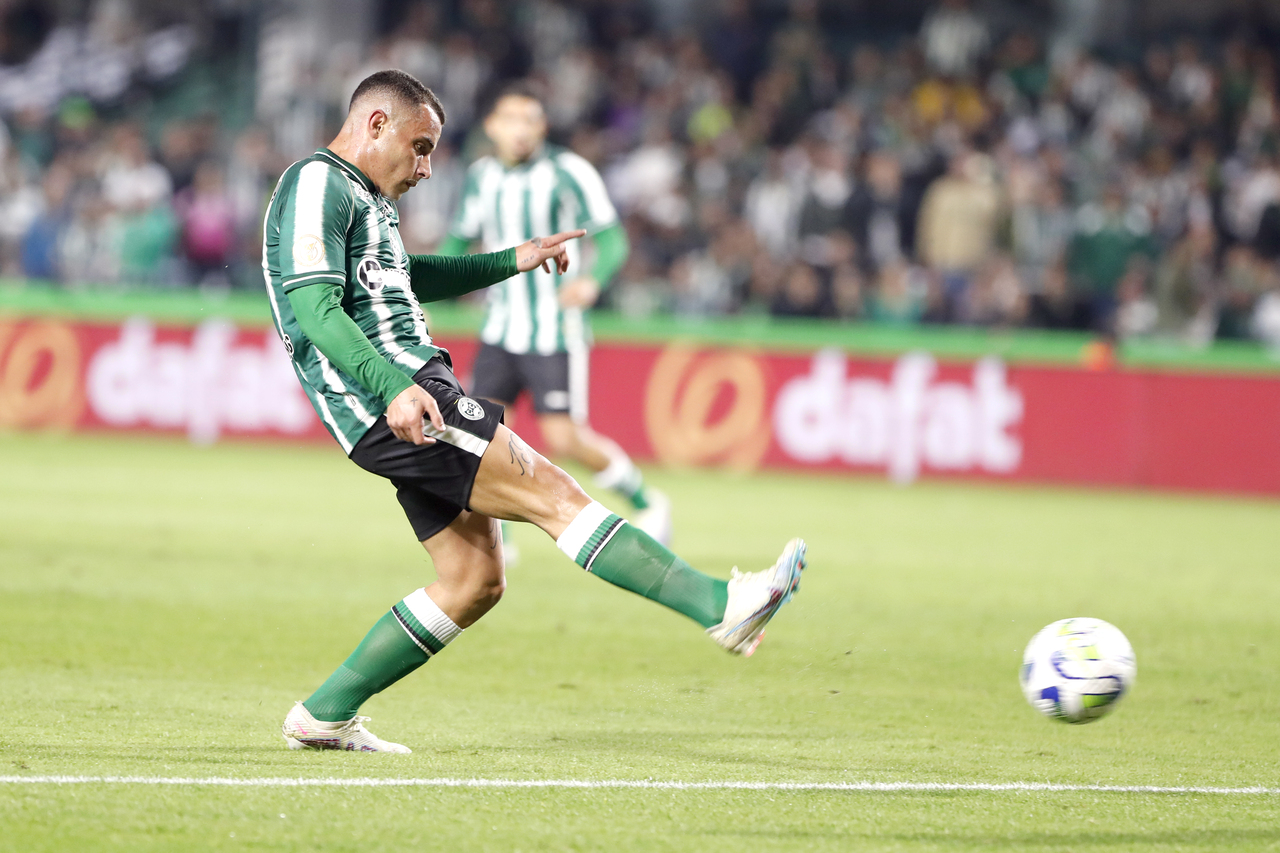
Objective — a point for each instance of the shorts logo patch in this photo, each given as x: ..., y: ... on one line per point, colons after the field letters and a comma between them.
x: 308, y: 251
x: 470, y: 409
x: 556, y: 400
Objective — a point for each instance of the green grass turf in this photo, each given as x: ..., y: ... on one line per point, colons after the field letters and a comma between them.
x: 162, y: 605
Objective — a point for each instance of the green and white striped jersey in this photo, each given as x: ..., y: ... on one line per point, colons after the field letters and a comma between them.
x: 328, y: 223
x: 555, y: 190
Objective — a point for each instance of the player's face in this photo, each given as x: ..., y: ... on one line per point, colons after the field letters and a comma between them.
x: 516, y: 127
x: 402, y: 153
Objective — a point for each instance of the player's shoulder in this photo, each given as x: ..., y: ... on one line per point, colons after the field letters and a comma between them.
x: 484, y: 164
x: 569, y: 160
x: 319, y: 174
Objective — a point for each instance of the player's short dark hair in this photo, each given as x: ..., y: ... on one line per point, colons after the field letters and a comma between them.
x: 404, y: 87
x: 517, y: 89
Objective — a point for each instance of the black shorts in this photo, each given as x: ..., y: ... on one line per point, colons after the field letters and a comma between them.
x: 433, y: 481
x: 557, y: 383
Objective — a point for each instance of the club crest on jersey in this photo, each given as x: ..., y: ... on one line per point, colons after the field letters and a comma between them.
x: 369, y: 274
x: 308, y: 251
x: 470, y: 409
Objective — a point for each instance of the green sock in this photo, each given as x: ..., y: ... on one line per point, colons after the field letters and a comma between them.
x: 625, y: 478
x: 402, y: 640
x: 625, y: 556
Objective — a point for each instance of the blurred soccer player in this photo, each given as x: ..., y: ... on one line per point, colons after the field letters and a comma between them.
x: 535, y: 337
x: 345, y: 300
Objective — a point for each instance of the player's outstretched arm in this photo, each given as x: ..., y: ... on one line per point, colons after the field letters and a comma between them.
x: 436, y: 277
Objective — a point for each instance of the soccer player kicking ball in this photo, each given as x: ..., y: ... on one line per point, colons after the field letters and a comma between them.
x: 345, y: 299
x: 535, y: 336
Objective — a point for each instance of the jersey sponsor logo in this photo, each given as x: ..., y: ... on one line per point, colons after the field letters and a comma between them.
x: 369, y: 274
x: 470, y: 409
x: 374, y: 278
x: 308, y: 251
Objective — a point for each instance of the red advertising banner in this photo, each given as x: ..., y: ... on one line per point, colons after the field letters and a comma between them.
x: 905, y: 418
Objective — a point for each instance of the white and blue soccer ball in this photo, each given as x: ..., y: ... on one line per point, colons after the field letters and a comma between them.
x: 1076, y: 670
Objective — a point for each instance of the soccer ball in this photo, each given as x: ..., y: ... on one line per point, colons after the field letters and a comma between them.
x: 1076, y: 670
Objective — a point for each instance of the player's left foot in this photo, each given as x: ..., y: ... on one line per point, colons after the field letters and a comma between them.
x: 755, y: 597
x: 655, y: 519
x: 303, y: 731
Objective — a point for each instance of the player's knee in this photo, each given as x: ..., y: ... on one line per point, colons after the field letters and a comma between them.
x: 561, y: 443
x: 562, y: 499
x: 559, y: 435
x: 487, y: 591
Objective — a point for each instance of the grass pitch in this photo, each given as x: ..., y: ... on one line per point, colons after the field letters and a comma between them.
x: 161, y: 606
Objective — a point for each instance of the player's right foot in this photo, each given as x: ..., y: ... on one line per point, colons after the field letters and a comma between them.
x: 303, y: 731
x: 655, y: 519
x: 755, y: 597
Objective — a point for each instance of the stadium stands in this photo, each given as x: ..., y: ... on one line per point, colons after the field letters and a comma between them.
x: 940, y: 168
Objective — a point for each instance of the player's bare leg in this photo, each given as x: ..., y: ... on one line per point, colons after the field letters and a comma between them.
x: 568, y: 438
x: 516, y: 483
x: 469, y: 565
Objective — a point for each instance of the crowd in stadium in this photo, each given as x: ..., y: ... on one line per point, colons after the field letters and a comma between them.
x: 763, y: 159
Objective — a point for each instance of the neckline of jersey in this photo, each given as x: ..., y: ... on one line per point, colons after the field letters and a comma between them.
x: 356, y: 173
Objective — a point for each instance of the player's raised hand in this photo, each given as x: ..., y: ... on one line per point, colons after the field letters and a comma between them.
x: 407, y: 412
x: 541, y: 251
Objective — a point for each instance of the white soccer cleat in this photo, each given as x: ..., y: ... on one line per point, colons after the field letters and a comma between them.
x: 303, y: 731
x: 754, y: 597
x: 655, y: 519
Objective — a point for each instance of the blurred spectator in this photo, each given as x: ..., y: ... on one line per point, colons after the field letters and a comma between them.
x: 875, y: 213
x: 1183, y: 289
x: 41, y: 244
x: 769, y: 157
x: 208, y: 221
x: 899, y: 297
x: 1109, y: 238
x: 955, y: 38
x: 137, y: 190
x: 1054, y: 306
x: 772, y: 206
x: 958, y: 227
x: 131, y: 180
x: 1041, y: 227
x: 802, y: 294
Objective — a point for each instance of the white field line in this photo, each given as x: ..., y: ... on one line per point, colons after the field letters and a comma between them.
x: 647, y: 784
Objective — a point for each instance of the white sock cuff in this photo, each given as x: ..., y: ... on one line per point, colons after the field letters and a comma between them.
x: 617, y: 472
x: 579, y: 531
x: 431, y: 617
